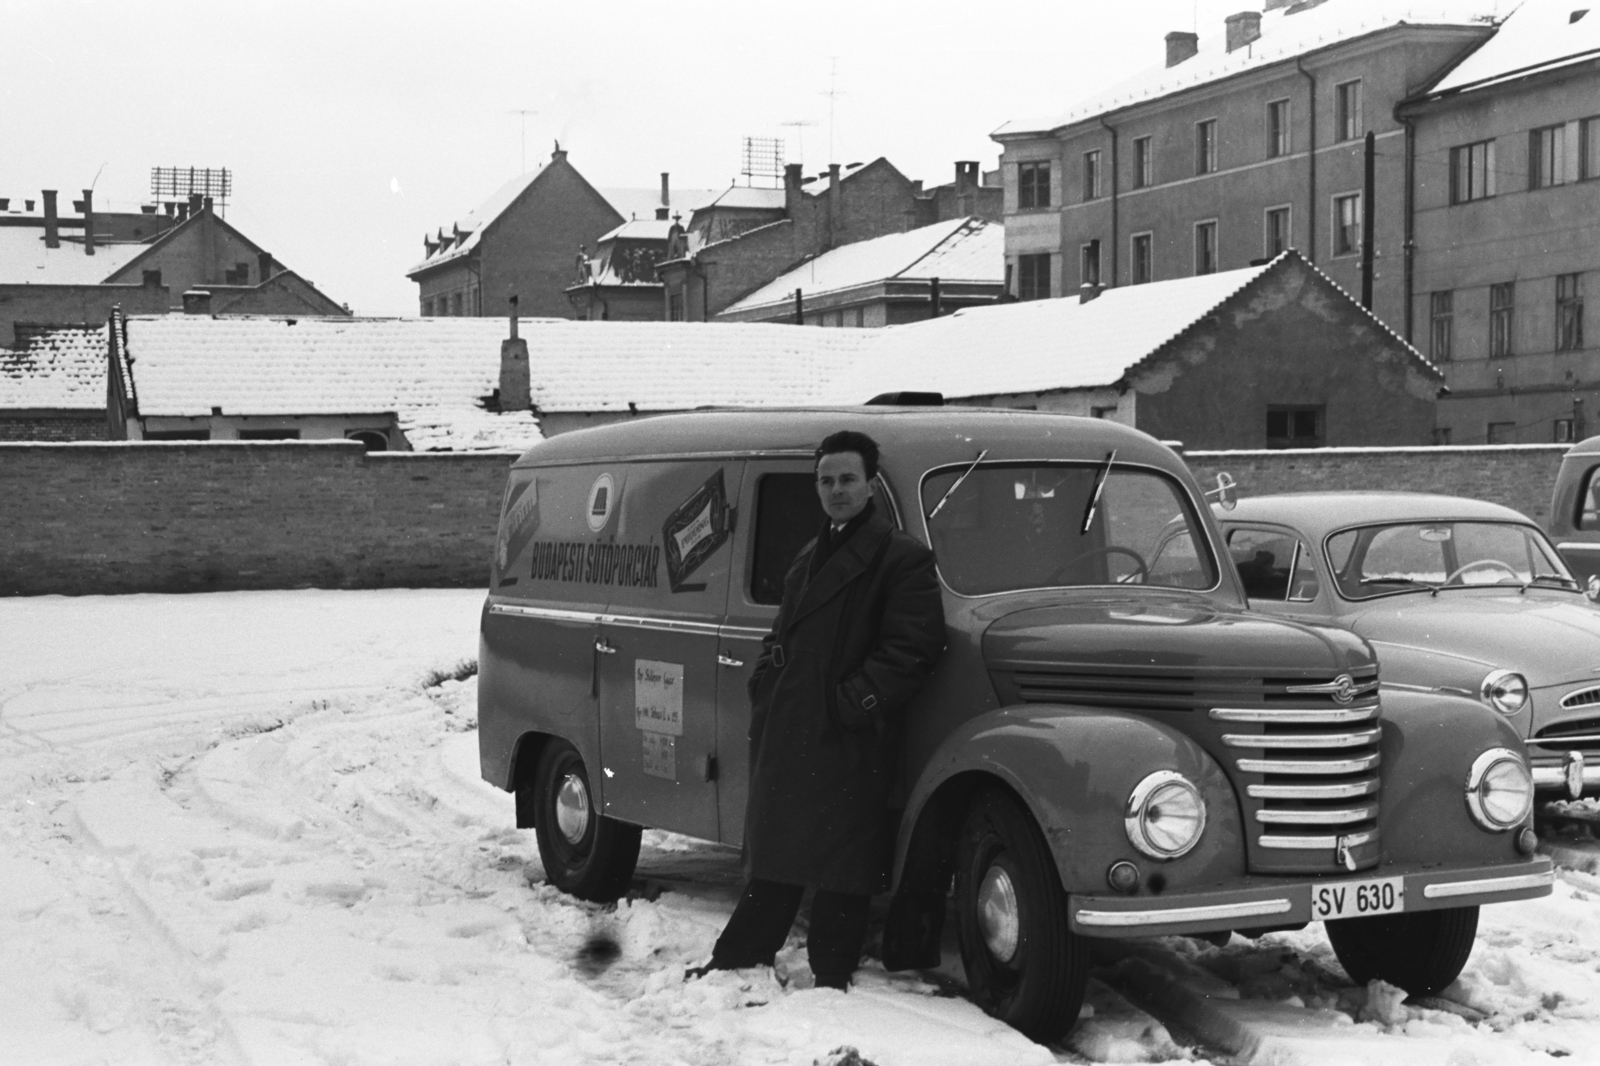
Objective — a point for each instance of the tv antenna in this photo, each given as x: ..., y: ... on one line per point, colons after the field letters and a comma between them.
x: 833, y: 95
x: 800, y: 134
x: 523, y: 113
x: 763, y: 158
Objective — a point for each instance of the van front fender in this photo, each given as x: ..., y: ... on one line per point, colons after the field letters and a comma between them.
x: 1073, y: 770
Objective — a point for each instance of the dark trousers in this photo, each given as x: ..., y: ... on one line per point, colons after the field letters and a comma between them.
x: 765, y: 914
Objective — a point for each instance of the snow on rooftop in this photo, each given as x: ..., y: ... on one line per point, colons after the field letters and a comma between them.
x: 61, y: 368
x: 748, y: 197
x: 650, y: 229
x: 963, y: 249
x: 25, y: 260
x: 1538, y: 35
x: 1283, y: 36
x: 641, y: 204
x: 467, y: 428
x: 1041, y: 345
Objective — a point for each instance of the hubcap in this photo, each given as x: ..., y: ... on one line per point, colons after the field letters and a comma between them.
x: 997, y: 914
x: 572, y: 808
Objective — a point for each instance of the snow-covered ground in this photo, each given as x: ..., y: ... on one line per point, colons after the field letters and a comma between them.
x: 249, y: 828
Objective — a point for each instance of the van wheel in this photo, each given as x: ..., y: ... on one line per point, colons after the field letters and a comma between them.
x: 1421, y: 952
x: 584, y: 852
x: 1024, y: 964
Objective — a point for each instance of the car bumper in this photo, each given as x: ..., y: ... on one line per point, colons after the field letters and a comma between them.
x: 1266, y: 902
x: 1554, y: 777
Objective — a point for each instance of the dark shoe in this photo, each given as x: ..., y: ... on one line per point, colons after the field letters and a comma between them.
x: 833, y: 980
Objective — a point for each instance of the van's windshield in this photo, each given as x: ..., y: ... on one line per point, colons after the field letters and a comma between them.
x: 1022, y: 525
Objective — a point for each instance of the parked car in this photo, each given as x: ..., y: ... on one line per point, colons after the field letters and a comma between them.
x: 1113, y: 745
x: 1457, y: 596
x: 1575, y: 511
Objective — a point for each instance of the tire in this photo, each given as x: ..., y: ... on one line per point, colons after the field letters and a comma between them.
x: 1034, y: 980
x: 1421, y: 952
x: 592, y: 856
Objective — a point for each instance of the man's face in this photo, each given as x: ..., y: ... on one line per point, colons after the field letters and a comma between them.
x: 842, y: 485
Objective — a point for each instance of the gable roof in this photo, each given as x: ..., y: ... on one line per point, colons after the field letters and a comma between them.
x: 57, y: 368
x: 1540, y: 35
x: 1284, y: 36
x: 962, y: 249
x: 25, y: 260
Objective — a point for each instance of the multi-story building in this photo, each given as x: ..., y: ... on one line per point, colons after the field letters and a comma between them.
x: 1507, y: 230
x: 1241, y: 145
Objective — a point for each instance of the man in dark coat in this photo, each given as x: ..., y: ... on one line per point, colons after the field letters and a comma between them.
x: 860, y: 628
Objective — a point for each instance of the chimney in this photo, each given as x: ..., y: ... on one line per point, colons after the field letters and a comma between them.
x: 835, y: 222
x: 516, y: 391
x: 1181, y: 46
x: 1243, y: 28
x: 966, y: 175
x: 152, y: 279
x: 183, y: 210
x: 88, y: 222
x: 52, y: 228
x: 264, y: 263
x: 197, y: 302
x: 206, y: 203
x: 666, y: 194
x: 559, y: 155
x: 5, y: 203
x: 194, y: 203
x: 791, y: 188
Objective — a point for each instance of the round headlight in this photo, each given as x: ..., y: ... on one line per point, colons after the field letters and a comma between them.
x: 1165, y: 815
x: 1499, y: 789
x: 1505, y: 691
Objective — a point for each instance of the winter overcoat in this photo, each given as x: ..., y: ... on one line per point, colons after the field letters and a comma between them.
x: 851, y: 645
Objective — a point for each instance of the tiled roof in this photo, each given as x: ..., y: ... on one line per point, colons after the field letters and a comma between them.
x: 1283, y: 37
x: 25, y: 260
x: 61, y: 367
x: 1539, y: 35
x: 960, y: 249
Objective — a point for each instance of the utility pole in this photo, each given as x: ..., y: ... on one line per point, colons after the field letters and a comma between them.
x: 832, y: 94
x: 1369, y: 210
x: 524, y: 113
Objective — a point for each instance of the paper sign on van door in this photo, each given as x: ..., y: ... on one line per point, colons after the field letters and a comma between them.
x: 695, y: 529
x: 658, y: 714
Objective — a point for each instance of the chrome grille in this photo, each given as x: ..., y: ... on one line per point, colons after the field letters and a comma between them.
x: 1582, y: 734
x: 1134, y: 690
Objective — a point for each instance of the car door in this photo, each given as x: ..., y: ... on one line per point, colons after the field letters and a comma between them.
x: 666, y: 560
x: 1277, y: 569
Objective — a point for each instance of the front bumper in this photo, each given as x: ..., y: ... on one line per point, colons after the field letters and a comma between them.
x: 1556, y: 777
x: 1267, y: 902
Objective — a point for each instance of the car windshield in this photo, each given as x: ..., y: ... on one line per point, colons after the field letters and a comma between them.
x: 1428, y: 556
x: 1038, y: 525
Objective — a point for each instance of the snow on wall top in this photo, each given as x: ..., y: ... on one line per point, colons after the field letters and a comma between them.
x: 963, y: 249
x: 61, y: 368
x: 25, y: 260
x: 1540, y: 33
x: 1283, y: 36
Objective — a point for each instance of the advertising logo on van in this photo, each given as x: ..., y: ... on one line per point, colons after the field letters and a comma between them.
x: 520, y: 523
x: 602, y: 496
x: 694, y: 530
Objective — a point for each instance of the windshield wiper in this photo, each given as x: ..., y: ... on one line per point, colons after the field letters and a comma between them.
x: 1561, y: 582
x: 955, y: 485
x: 1432, y: 588
x: 1094, y: 497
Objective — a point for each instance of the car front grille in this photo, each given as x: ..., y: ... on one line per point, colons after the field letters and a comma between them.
x: 1580, y: 734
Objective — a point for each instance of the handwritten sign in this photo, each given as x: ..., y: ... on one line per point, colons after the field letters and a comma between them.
x: 658, y: 697
x: 660, y: 755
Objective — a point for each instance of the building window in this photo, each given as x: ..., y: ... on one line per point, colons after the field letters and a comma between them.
x: 1103, y: 412
x: 1441, y: 319
x: 372, y: 440
x: 1033, y: 185
x: 1589, y: 148
x: 1347, y: 224
x: 455, y: 305
x: 1091, y: 175
x: 1471, y: 172
x: 177, y: 434
x: 675, y: 307
x: 1569, y: 312
x: 1347, y: 111
x: 1143, y: 269
x: 1441, y: 435
x: 1033, y: 276
x: 1502, y: 433
x: 1277, y: 128
x: 1502, y: 299
x: 1547, y: 157
x: 1294, y: 427
x: 427, y: 308
x: 1143, y: 163
x: 1205, y: 247
x: 1205, y: 146
x: 269, y: 434
x: 1277, y: 232
x: 1089, y: 263
x: 1563, y: 431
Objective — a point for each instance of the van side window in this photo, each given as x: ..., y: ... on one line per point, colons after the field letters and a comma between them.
x: 1589, y: 501
x: 788, y: 514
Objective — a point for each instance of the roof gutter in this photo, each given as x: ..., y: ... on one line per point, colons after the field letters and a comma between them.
x: 1311, y: 161
x: 1114, y: 240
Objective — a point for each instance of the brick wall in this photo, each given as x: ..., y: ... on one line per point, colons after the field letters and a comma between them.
x: 61, y: 305
x: 1519, y: 476
x: 170, y: 517
x: 87, y: 426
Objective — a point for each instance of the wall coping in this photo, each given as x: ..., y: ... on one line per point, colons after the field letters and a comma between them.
x: 342, y: 445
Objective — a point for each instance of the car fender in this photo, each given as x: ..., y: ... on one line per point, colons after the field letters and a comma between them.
x: 1073, y: 769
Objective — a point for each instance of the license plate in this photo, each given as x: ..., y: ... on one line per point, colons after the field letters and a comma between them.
x: 1358, y: 899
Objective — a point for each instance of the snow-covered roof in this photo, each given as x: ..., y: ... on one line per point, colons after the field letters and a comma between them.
x: 641, y: 204
x: 747, y: 197
x: 59, y: 368
x: 650, y: 229
x: 1283, y: 36
x: 25, y: 260
x: 1539, y: 35
x: 963, y: 249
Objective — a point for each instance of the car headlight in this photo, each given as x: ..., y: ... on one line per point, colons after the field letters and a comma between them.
x: 1499, y: 789
x: 1505, y: 691
x: 1165, y: 815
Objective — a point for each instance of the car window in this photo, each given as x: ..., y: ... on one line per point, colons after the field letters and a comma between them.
x: 1039, y: 525
x: 1589, y: 500
x: 788, y: 514
x: 1401, y: 557
x: 1273, y: 565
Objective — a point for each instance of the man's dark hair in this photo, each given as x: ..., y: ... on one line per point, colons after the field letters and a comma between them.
x: 848, y: 440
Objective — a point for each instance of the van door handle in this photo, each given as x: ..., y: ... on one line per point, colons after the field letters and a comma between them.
x: 603, y: 646
x: 728, y: 660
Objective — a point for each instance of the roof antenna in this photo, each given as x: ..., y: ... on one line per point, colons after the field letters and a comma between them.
x: 524, y: 113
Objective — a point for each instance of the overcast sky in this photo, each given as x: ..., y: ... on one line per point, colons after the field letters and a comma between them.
x: 352, y: 128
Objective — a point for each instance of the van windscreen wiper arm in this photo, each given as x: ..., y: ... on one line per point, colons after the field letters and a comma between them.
x: 1094, y: 497
x: 956, y: 485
